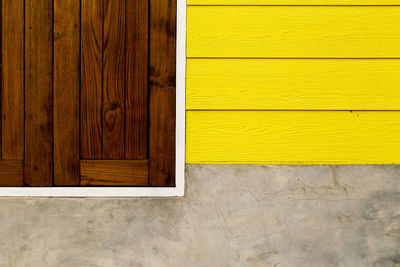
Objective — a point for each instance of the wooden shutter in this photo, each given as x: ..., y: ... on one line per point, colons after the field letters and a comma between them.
x: 88, y: 93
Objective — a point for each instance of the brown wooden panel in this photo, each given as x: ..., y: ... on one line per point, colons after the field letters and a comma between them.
x: 162, y: 92
x: 136, y: 103
x: 1, y: 71
x: 12, y: 100
x: 38, y: 92
x: 66, y: 91
x: 114, y: 172
x: 94, y: 61
x: 91, y: 78
x: 113, y: 79
x: 11, y: 173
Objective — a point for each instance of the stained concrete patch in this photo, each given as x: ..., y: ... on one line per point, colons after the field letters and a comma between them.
x: 231, y: 216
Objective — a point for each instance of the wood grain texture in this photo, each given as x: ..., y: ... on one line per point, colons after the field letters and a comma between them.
x: 293, y: 84
x: 114, y: 79
x: 293, y: 137
x: 1, y: 73
x: 294, y: 31
x: 293, y: 2
x: 114, y: 172
x: 162, y: 92
x: 91, y: 111
x: 11, y: 173
x: 66, y: 92
x: 39, y: 93
x: 12, y: 76
x: 136, y: 102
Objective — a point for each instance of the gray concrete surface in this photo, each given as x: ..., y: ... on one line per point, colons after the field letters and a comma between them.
x: 231, y: 216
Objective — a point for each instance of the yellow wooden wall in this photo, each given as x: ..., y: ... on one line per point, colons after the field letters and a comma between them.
x: 293, y: 81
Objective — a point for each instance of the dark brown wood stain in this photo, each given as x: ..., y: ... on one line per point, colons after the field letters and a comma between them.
x: 91, y: 79
x: 12, y: 95
x: 66, y: 91
x: 114, y: 79
x: 39, y: 93
x: 162, y: 92
x: 88, y: 93
x: 136, y: 100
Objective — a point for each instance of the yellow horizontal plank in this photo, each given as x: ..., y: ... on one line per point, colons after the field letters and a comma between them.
x: 292, y: 2
x: 294, y: 31
x: 293, y: 137
x: 293, y: 84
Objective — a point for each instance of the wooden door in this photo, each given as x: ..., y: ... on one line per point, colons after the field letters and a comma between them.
x: 88, y: 93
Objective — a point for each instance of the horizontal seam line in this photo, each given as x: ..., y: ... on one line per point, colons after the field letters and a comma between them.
x: 285, y: 5
x: 341, y: 58
x: 294, y: 110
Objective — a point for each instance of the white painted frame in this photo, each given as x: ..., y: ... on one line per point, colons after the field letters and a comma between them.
x: 179, y: 188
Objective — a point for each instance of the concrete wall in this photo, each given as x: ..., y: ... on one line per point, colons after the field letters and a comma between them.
x: 230, y: 216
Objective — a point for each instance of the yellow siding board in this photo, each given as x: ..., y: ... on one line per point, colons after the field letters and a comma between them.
x: 293, y: 84
x: 294, y: 31
x: 293, y: 137
x: 293, y: 2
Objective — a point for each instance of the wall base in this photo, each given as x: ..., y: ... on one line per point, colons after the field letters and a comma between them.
x: 231, y: 216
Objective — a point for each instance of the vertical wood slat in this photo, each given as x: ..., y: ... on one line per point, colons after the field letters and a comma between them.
x: 136, y: 103
x: 162, y: 92
x: 11, y: 173
x: 66, y: 92
x: 38, y: 92
x: 113, y: 79
x: 1, y: 73
x: 91, y: 130
x: 12, y: 95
